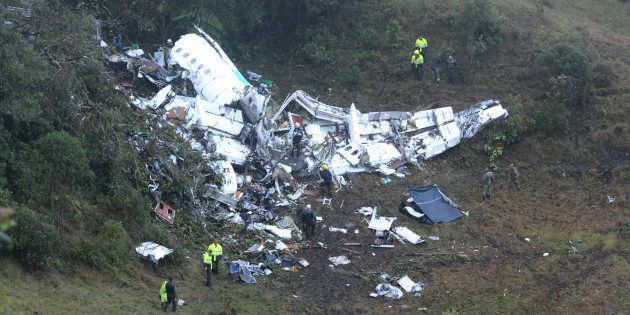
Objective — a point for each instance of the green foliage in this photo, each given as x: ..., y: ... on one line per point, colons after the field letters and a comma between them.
x: 565, y: 73
x: 479, y: 25
x: 37, y: 242
x: 351, y: 76
x: 110, y: 251
x: 156, y: 233
x: 393, y: 34
x: 318, y: 46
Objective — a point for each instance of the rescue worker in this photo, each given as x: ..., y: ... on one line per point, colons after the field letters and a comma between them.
x: 298, y: 134
x: 488, y: 182
x: 168, y: 294
x: 417, y: 65
x: 167, y: 52
x: 422, y: 45
x: 513, y: 177
x: 326, y: 175
x: 450, y: 69
x: 207, y: 264
x: 216, y: 251
x: 118, y: 44
x: 308, y: 221
x: 435, y: 67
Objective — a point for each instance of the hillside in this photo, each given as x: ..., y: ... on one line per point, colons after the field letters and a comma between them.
x: 73, y: 169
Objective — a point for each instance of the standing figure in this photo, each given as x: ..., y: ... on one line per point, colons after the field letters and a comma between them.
x: 298, y: 134
x: 168, y: 294
x: 488, y: 182
x: 207, y: 266
x: 326, y: 175
x: 513, y: 179
x: 422, y: 45
x: 435, y: 67
x: 118, y: 44
x: 216, y: 251
x: 450, y: 69
x: 308, y: 221
x: 417, y: 65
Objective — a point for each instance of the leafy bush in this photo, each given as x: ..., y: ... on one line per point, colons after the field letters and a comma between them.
x: 393, y: 33
x: 351, y: 76
x: 318, y: 47
x: 479, y: 25
x: 156, y: 233
x: 109, y: 251
x: 36, y: 241
x: 565, y: 73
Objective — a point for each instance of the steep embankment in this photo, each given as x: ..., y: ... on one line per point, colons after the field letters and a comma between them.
x: 489, y: 262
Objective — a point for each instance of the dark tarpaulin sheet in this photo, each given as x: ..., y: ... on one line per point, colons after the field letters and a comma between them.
x: 432, y: 202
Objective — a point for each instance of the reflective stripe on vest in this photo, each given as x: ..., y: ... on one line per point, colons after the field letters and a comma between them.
x: 215, y: 250
x: 417, y: 59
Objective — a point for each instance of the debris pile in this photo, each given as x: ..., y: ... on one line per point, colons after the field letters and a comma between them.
x: 229, y: 120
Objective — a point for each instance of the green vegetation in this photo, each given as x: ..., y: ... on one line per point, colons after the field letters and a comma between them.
x: 478, y: 27
x: 566, y: 74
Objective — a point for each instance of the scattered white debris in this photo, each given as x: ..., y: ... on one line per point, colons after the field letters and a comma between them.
x: 339, y: 260
x: 380, y: 223
x: 408, y: 235
x: 545, y: 254
x: 387, y: 290
x: 367, y: 210
x: 412, y: 287
x: 434, y: 238
x: 334, y: 229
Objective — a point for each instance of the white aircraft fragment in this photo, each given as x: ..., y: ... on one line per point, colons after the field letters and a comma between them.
x: 212, y: 73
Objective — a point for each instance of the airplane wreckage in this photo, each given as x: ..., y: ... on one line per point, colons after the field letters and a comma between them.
x: 249, y: 142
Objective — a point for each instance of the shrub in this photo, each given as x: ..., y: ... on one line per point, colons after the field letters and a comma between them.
x: 393, y: 33
x: 156, y: 233
x: 36, y: 241
x: 479, y: 25
x: 351, y: 76
x: 565, y: 73
x: 107, y: 252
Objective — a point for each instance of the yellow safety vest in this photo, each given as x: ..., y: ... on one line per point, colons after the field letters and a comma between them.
x: 163, y: 296
x: 422, y: 43
x: 207, y: 259
x: 215, y: 250
x: 417, y: 59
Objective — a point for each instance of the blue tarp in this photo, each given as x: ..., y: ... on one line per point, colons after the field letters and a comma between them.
x: 436, y: 207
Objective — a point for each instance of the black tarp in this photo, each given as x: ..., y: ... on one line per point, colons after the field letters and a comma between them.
x: 436, y: 207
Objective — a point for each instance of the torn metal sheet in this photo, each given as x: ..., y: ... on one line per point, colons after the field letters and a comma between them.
x: 229, y: 184
x: 388, y: 290
x: 380, y: 223
x: 339, y: 260
x: 164, y: 212
x: 316, y: 108
x: 334, y: 229
x: 408, y: 235
x: 282, y: 233
x: 232, y: 150
x: 412, y: 287
x: 150, y: 249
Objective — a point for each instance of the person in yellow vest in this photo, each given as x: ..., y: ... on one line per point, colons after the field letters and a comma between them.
x: 216, y: 251
x: 417, y: 65
x: 168, y: 294
x: 422, y: 45
x: 207, y: 264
